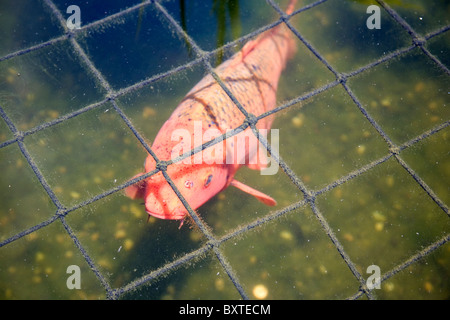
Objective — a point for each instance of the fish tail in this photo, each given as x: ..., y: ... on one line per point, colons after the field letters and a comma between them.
x: 291, y: 6
x: 281, y: 32
x: 292, y: 44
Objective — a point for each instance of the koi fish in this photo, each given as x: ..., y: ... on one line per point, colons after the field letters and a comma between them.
x: 251, y: 75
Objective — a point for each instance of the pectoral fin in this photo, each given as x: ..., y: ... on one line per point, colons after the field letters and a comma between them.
x: 264, y: 198
x: 137, y: 190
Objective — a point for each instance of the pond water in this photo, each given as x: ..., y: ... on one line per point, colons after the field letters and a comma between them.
x: 372, y: 149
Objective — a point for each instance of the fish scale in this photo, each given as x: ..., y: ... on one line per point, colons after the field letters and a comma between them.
x: 253, y: 86
x: 251, y: 75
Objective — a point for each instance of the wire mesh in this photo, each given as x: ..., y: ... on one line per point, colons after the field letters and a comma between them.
x: 214, y: 243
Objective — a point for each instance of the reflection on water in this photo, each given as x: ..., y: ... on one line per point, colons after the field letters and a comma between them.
x: 380, y: 217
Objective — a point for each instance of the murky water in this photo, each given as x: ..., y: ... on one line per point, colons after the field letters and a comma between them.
x: 380, y: 216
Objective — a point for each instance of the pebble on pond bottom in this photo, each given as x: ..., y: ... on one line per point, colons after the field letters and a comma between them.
x: 260, y: 291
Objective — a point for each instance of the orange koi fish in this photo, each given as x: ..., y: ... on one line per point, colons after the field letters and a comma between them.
x: 207, y: 112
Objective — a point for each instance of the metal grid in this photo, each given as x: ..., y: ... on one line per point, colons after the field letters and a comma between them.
x: 309, y: 196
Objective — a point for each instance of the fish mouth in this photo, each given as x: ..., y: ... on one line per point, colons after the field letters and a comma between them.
x: 176, y: 215
x: 162, y: 209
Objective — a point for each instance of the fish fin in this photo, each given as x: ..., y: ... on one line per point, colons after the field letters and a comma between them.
x: 249, y: 46
x: 264, y: 198
x: 136, y: 190
x: 240, y: 56
x: 291, y: 6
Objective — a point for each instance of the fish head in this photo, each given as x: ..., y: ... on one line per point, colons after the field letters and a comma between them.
x: 197, y: 183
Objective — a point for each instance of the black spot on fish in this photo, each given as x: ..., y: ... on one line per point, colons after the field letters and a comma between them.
x: 208, y: 180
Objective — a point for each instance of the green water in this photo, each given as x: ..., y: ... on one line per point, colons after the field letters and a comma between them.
x: 381, y: 216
